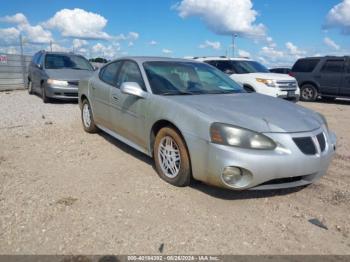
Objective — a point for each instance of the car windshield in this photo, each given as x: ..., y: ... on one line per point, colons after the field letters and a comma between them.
x: 247, y: 67
x: 188, y: 78
x: 58, y: 61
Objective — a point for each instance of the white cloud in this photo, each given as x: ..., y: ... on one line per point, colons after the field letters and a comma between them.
x: 243, y: 53
x: 35, y: 34
x: 131, y: 44
x: 18, y: 18
x: 209, y: 44
x: 131, y: 36
x: 294, y: 50
x: 339, y: 17
x: 106, y: 51
x: 9, y: 35
x: 78, y: 23
x: 329, y: 42
x: 58, y: 48
x: 31, y: 34
x: 153, y: 42
x: 223, y: 16
x: 78, y: 43
x: 167, y: 51
x: 270, y: 42
x: 271, y: 52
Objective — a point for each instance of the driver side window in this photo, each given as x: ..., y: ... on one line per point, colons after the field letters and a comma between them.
x: 130, y: 72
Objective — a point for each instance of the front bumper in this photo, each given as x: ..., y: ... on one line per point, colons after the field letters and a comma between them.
x: 285, y: 167
x: 59, y: 92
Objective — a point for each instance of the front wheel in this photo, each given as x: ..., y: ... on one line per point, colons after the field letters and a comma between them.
x: 43, y: 95
x: 87, y: 118
x: 171, y: 157
x: 30, y: 87
x: 308, y: 93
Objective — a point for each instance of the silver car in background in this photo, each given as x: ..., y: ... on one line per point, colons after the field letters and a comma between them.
x: 197, y: 123
x: 56, y: 75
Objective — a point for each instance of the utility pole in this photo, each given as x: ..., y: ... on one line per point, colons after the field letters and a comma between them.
x: 234, y: 36
x: 51, y: 45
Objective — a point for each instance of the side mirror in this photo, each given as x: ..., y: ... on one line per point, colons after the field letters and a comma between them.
x: 95, y: 68
x: 132, y: 88
x: 39, y: 66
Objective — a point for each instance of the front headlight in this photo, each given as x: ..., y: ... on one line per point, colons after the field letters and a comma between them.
x: 324, y: 120
x: 239, y: 137
x: 57, y: 82
x: 268, y: 82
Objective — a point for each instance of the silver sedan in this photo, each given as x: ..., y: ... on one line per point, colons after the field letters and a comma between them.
x: 199, y: 124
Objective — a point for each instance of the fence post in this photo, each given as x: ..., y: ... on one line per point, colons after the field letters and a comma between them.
x: 23, y: 64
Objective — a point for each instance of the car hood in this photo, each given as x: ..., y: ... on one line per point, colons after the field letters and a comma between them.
x: 68, y: 74
x: 253, y: 111
x: 273, y: 76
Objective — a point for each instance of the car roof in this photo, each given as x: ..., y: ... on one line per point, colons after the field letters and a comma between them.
x: 221, y: 58
x: 324, y: 57
x: 142, y: 59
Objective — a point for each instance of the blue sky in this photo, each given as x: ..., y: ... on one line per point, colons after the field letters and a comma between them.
x: 272, y: 31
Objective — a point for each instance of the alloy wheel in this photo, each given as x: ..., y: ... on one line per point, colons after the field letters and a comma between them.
x: 169, y: 157
x: 86, y: 115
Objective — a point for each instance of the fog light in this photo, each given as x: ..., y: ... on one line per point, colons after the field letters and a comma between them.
x: 232, y: 175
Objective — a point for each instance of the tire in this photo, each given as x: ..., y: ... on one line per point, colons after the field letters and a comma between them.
x: 87, y: 118
x: 30, y: 87
x: 180, y: 173
x: 43, y: 95
x: 308, y: 93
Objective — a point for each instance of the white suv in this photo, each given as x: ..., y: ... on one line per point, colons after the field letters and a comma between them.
x: 255, y: 77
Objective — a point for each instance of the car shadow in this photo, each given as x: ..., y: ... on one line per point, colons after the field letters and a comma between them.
x: 58, y: 101
x: 127, y: 149
x: 226, y: 194
x: 334, y: 102
x: 213, y: 191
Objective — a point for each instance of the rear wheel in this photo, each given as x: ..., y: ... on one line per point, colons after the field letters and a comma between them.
x: 308, y: 93
x: 171, y: 158
x: 87, y: 118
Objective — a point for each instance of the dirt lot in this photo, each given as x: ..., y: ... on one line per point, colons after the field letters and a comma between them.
x: 64, y: 191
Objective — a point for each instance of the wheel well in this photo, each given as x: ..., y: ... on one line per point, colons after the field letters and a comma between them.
x: 83, y: 97
x: 249, y: 86
x: 309, y: 83
x: 158, y: 126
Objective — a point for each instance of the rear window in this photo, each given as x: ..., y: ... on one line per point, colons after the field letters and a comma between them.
x: 305, y: 65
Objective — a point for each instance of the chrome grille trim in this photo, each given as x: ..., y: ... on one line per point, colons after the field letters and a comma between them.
x: 287, y: 85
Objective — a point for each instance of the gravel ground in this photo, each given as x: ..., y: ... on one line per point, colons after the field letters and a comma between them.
x: 63, y: 191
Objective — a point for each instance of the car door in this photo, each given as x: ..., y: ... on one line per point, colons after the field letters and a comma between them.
x: 345, y: 87
x: 101, y: 89
x: 330, y: 76
x: 128, y: 111
x: 36, y: 72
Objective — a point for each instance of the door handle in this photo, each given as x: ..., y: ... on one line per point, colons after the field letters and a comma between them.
x: 93, y: 87
x: 318, y: 76
x: 115, y: 97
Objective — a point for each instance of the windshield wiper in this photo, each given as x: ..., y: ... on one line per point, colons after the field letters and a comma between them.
x: 177, y: 93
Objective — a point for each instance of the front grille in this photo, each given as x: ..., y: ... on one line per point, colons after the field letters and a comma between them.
x: 322, y: 141
x: 287, y: 85
x: 306, y: 145
x: 283, y: 180
x: 71, y: 94
x: 73, y: 83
